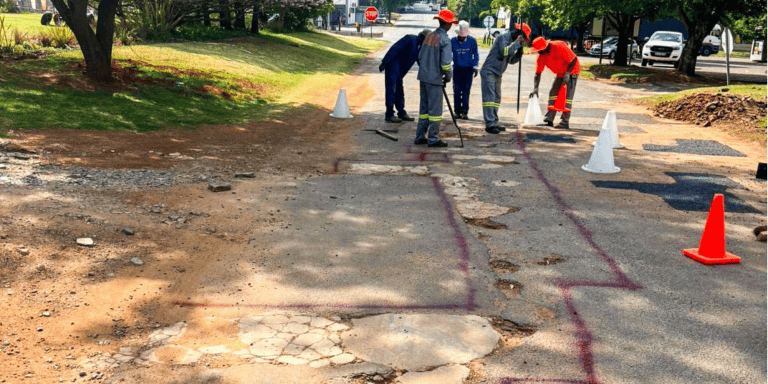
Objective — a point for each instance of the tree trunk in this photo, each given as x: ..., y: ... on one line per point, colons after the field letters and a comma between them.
x: 96, y: 47
x: 256, y: 15
x: 581, y: 29
x: 624, y: 24
x: 224, y: 20
x: 240, y: 15
x: 698, y: 28
x: 205, y: 8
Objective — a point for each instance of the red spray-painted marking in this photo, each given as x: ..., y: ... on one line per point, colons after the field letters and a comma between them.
x: 583, y: 336
x: 461, y: 242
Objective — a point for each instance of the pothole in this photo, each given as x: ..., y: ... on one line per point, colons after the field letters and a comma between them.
x: 503, y: 266
x: 550, y: 260
x: 510, y: 288
x: 510, y: 330
x: 390, y: 378
x: 485, y: 223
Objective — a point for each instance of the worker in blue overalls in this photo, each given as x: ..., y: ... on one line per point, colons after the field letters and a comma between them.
x: 465, y: 66
x: 395, y: 65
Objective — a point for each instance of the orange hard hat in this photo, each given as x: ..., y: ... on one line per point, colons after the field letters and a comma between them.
x: 526, y: 29
x: 447, y: 16
x: 539, y: 44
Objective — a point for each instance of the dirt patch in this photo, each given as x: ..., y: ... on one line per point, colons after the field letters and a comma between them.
x: 641, y: 75
x: 512, y: 334
x: 551, y: 260
x: 720, y: 109
x: 127, y: 75
x: 485, y: 223
x: 511, y: 289
x: 95, y: 298
x: 503, y: 266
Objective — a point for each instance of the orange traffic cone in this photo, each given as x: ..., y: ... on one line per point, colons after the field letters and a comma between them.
x: 712, y: 246
x: 560, y: 101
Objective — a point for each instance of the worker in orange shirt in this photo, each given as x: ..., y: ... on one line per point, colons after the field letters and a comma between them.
x: 560, y: 59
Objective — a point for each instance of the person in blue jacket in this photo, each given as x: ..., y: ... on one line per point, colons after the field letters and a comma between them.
x: 395, y: 65
x: 465, y: 66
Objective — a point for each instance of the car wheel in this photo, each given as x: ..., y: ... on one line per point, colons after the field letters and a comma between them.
x: 612, y: 55
x: 706, y: 51
x: 644, y: 62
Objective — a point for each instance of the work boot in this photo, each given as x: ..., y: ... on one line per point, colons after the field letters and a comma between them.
x: 420, y: 142
x: 501, y: 128
x: 562, y: 125
x: 547, y: 123
x: 438, y: 144
x: 464, y: 116
x: 393, y: 119
x: 492, y: 130
x: 405, y: 117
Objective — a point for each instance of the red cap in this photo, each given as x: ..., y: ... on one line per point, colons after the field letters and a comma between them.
x: 539, y: 44
x: 447, y: 16
x: 526, y: 29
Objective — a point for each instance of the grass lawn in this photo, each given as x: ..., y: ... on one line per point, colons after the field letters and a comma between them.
x: 224, y: 82
x: 24, y: 22
x: 739, y: 54
x: 757, y: 92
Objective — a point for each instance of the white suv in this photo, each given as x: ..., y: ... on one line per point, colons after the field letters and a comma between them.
x: 665, y: 46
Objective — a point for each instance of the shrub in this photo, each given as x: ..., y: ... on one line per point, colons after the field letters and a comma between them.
x: 19, y: 37
x: 45, y: 39
x: 61, y: 37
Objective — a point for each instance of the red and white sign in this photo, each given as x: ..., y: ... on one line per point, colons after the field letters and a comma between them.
x: 371, y: 13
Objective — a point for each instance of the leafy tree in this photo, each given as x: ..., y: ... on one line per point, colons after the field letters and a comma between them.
x: 700, y: 16
x: 744, y: 27
x: 95, y: 45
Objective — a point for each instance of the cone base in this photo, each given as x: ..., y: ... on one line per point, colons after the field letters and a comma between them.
x: 620, y: 146
x: 564, y: 110
x: 614, y: 170
x: 728, y: 258
x: 340, y: 117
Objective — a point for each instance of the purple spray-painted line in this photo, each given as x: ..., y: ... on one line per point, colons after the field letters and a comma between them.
x: 583, y: 336
x: 460, y: 240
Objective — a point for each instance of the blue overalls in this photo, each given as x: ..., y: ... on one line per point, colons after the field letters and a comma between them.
x: 397, y: 62
x: 465, y: 62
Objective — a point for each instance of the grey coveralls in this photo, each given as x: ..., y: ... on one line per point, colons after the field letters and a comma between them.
x: 435, y: 59
x: 502, y: 53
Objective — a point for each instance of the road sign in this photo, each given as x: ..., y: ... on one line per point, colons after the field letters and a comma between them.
x: 371, y: 13
x: 488, y: 22
x: 726, y: 40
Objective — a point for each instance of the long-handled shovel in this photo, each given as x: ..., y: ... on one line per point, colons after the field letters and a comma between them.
x: 453, y: 116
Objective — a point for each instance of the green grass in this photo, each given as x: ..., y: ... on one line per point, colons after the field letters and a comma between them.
x: 628, y: 74
x: 25, y: 22
x: 757, y: 92
x: 738, y: 54
x: 264, y: 75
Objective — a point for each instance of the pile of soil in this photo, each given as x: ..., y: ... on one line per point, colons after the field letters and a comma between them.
x: 706, y: 109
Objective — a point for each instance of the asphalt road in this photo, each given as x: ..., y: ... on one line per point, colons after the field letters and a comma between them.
x: 598, y: 257
x: 741, y: 70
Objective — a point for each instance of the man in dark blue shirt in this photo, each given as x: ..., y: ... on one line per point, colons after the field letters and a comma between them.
x: 465, y: 65
x: 395, y: 65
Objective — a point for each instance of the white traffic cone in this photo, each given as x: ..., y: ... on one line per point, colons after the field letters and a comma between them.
x: 610, y: 124
x: 342, y: 109
x: 533, y: 114
x: 602, y: 155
